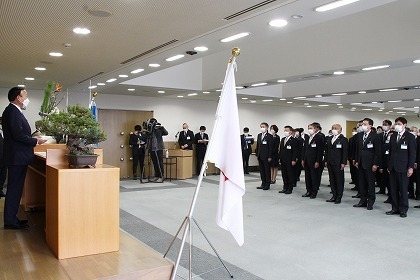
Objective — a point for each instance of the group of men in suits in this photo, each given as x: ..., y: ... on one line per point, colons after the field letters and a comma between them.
x: 187, y: 139
x: 388, y: 158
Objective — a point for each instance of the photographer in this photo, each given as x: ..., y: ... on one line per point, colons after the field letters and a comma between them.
x: 155, y: 146
x: 137, y: 143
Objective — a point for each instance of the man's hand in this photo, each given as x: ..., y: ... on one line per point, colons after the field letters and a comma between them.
x: 326, y: 164
x: 269, y: 159
x: 316, y: 165
x: 374, y: 168
x: 342, y: 166
x: 303, y: 163
x: 356, y: 164
x: 293, y: 163
x: 40, y: 141
x: 409, y: 172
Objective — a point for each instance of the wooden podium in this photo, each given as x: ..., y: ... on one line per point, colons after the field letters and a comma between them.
x: 184, y: 160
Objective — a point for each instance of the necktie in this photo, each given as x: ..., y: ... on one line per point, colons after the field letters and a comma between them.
x: 398, y: 138
x: 364, y: 138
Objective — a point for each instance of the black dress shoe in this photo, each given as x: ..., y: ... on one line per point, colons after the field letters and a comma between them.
x: 332, y: 199
x: 354, y: 189
x: 356, y: 196
x: 403, y: 215
x: 369, y: 207
x: 283, y: 191
x: 392, y: 212
x: 298, y: 179
x: 260, y: 187
x: 417, y: 206
x: 388, y: 200
x: 312, y: 197
x: 360, y: 205
x: 411, y: 196
x: 306, y: 195
x: 266, y: 188
x: 337, y: 201
x: 351, y: 183
x: 288, y: 192
x: 16, y: 226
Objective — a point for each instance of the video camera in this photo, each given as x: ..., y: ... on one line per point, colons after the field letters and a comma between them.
x: 151, y: 124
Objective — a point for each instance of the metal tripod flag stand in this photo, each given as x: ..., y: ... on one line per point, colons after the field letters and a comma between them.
x: 187, y: 222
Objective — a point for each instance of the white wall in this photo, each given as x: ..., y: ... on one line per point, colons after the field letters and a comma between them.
x: 173, y: 112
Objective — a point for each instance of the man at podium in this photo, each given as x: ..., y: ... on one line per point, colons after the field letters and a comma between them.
x: 186, y: 138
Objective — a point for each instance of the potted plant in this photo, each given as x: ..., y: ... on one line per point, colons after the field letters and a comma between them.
x: 80, y: 130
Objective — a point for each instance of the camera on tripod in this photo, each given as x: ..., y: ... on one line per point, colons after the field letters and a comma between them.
x: 151, y: 124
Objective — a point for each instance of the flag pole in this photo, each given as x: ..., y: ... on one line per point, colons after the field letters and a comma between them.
x: 189, y: 217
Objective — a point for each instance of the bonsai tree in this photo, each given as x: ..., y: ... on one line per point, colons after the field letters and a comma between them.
x: 77, y: 125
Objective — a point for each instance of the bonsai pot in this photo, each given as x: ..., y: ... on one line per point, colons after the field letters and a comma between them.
x: 81, y: 161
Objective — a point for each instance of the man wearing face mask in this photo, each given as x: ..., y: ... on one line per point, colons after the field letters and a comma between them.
x: 201, y: 140
x: 137, y: 142
x: 3, y: 167
x: 412, y: 180
x: 336, y: 154
x: 312, y: 160
x: 288, y: 159
x: 383, y: 175
x: 368, y: 160
x: 300, y: 137
x: 186, y: 138
x: 264, y: 152
x: 18, y: 153
x: 417, y: 166
x: 402, y: 156
x: 246, y: 141
x: 359, y: 130
x: 353, y: 169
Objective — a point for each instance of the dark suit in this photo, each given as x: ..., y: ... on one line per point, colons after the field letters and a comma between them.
x: 18, y: 154
x: 200, y: 150
x: 418, y: 166
x: 336, y: 154
x: 314, y: 150
x: 186, y: 138
x: 299, y: 153
x: 288, y: 153
x: 368, y: 154
x: 383, y: 177
x: 351, y: 153
x: 138, y: 152
x: 402, y: 156
x: 3, y: 167
x: 246, y: 142
x: 264, y: 151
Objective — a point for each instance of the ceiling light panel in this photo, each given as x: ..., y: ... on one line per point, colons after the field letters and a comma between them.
x: 375, y: 67
x: 235, y: 37
x: 81, y: 30
x: 175, y: 57
x: 334, y: 5
x: 278, y: 23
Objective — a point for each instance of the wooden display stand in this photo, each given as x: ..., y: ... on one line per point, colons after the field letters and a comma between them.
x: 183, y: 169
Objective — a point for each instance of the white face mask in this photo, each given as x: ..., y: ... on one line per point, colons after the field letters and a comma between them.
x: 385, y: 128
x: 297, y: 134
x: 359, y: 129
x: 263, y: 129
x: 286, y: 133
x: 185, y: 129
x: 246, y: 134
x: 414, y: 133
x: 272, y: 131
x: 311, y: 131
x: 365, y: 128
x: 398, y: 128
x: 334, y: 132
x: 354, y: 133
x: 25, y: 104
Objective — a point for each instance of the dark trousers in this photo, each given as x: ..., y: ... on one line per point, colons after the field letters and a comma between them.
x: 312, y: 178
x: 3, y: 174
x: 353, y: 173
x: 288, y: 173
x: 367, y: 186
x: 298, y: 170
x: 398, y: 182
x: 384, y: 181
x: 265, y: 173
x: 16, y: 180
x: 199, y: 161
x: 336, y: 176
x: 157, y: 159
x: 411, y: 181
x: 245, y: 159
x: 138, y: 158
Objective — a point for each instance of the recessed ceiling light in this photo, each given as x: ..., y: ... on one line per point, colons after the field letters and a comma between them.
x: 267, y: 100
x: 21, y: 85
x: 92, y: 87
x: 289, y: 102
x: 80, y: 30
x: 362, y: 91
x: 339, y: 94
x: 253, y: 101
x: 244, y: 98
x: 131, y: 89
x: 296, y: 16
x: 416, y: 107
x: 235, y: 37
x: 137, y: 71
x: 29, y: 78
x: 417, y: 99
x: 154, y: 65
x: 416, y: 61
x: 40, y: 68
x: 192, y: 94
x: 111, y: 80
x: 206, y: 92
x: 340, y: 107
x: 401, y: 112
x: 55, y: 54
x: 305, y: 104
x: 353, y: 108
x: 367, y: 109
x: 388, y: 89
x: 175, y: 57
x: 161, y: 91
x: 394, y: 101
x: 417, y: 87
x: 180, y: 96
x: 100, y: 84
x: 375, y: 67
x: 380, y: 110
x: 281, y: 81
x: 218, y: 90
x: 339, y: 104
x: 391, y: 111
x: 239, y: 87
x: 258, y: 84
x: 201, y: 49
x: 318, y: 96
x: 334, y: 5
x: 323, y: 105
x: 282, y: 99
x: 300, y: 97
x: 309, y: 106
x: 357, y: 103
x: 387, y: 113
x: 278, y: 23
x: 123, y: 76
x: 339, y: 73
x: 374, y: 102
x: 398, y: 108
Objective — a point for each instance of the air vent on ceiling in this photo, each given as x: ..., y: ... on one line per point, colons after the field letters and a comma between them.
x: 149, y: 51
x: 352, y: 71
x: 327, y: 74
x: 244, y: 11
x: 91, y: 77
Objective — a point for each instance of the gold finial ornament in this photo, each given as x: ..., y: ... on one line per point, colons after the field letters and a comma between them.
x: 94, y: 94
x: 236, y: 51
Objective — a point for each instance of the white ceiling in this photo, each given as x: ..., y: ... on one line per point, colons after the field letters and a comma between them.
x: 305, y: 52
